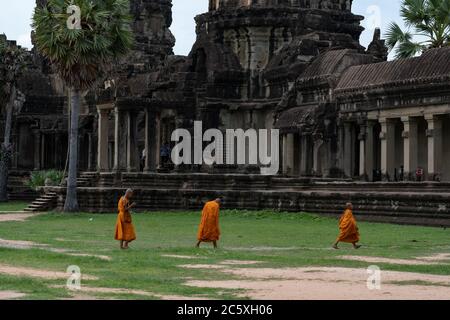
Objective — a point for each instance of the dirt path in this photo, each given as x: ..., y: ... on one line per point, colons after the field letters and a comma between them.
x: 7, y: 295
x: 93, y: 290
x: 327, y: 283
x: 15, y: 216
x: 23, y: 245
x: 407, y: 262
x: 38, y: 273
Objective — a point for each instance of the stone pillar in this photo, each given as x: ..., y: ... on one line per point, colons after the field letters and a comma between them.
x: 132, y: 143
x: 304, y: 170
x: 341, y: 146
x: 43, y: 164
x: 288, y: 154
x: 318, y: 143
x: 362, y: 151
x: 369, y: 154
x: 434, y: 134
x: 120, y: 140
x: 102, y: 144
x: 387, y: 137
x: 410, y: 147
x: 348, y: 157
x: 90, y: 151
x: 152, y: 140
x: 37, y: 149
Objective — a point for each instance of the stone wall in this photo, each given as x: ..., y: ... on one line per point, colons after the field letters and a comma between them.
x: 405, y: 203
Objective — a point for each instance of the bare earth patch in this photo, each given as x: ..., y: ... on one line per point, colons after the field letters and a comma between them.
x: 239, y: 262
x: 19, y: 244
x: 202, y: 266
x: 5, y: 217
x: 6, y: 295
x: 176, y: 256
x: 328, y: 283
x: 38, y: 273
x: 265, y: 248
x: 406, y: 262
x: 436, y: 257
x: 133, y: 292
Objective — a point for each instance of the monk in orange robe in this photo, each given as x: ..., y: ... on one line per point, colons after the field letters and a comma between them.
x: 209, y: 230
x: 348, y: 229
x: 124, y: 227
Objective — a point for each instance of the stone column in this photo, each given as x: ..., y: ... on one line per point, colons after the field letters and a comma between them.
x: 348, y: 157
x: 43, y: 164
x: 434, y: 134
x: 369, y: 156
x: 304, y: 170
x: 362, y: 151
x: 90, y: 152
x: 132, y: 143
x: 318, y: 143
x: 152, y: 140
x: 37, y: 149
x: 120, y: 140
x: 341, y: 146
x: 410, y: 147
x: 103, y: 137
x: 288, y: 153
x: 387, y: 137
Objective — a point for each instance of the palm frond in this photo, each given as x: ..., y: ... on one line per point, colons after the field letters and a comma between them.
x: 80, y: 56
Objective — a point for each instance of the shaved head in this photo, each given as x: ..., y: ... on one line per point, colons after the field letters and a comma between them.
x: 129, y: 193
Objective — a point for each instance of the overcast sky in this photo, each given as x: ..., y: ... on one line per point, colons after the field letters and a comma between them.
x: 15, y: 19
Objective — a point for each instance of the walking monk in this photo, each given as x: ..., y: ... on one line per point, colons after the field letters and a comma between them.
x: 209, y: 230
x: 348, y: 228
x: 124, y: 226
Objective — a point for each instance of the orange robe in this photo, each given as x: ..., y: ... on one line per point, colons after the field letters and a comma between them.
x: 209, y: 225
x: 348, y: 228
x: 124, y: 226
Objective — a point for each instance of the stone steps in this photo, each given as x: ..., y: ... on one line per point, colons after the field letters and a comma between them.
x: 46, y: 202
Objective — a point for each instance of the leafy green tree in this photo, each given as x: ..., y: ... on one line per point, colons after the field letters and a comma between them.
x: 81, y: 43
x: 427, y: 20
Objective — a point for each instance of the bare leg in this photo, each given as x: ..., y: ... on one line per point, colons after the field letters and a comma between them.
x: 215, y: 244
x: 126, y: 244
x: 356, y: 246
x: 121, y: 244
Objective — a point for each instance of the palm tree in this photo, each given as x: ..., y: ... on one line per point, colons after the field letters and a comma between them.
x: 12, y: 62
x: 81, y: 55
x: 429, y: 20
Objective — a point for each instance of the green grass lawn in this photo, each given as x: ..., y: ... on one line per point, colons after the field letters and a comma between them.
x: 284, y: 239
x: 12, y: 206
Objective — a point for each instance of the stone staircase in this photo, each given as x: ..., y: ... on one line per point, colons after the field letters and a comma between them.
x: 46, y: 202
x: 87, y: 179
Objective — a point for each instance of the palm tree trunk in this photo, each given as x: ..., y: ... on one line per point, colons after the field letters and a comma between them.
x: 71, y: 204
x: 6, y: 148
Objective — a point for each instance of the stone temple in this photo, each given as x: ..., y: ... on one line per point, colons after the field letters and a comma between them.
x: 353, y: 126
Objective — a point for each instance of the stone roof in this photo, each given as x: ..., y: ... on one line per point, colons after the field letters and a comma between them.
x: 433, y: 65
x: 297, y: 117
x: 332, y: 62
